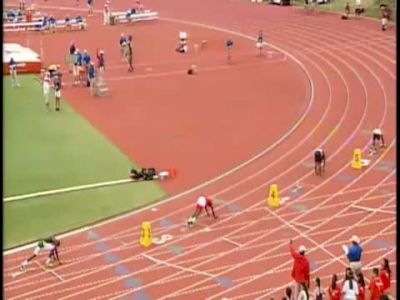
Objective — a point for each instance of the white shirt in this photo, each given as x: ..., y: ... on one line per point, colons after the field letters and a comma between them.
x: 302, y: 295
x: 377, y: 131
x: 349, y: 294
x: 358, y: 2
x: 201, y: 201
x: 46, y: 87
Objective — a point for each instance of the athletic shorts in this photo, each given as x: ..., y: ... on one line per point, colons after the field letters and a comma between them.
x: 46, y: 247
x: 259, y: 45
x: 376, y: 137
x: 58, y: 94
x: 318, y: 157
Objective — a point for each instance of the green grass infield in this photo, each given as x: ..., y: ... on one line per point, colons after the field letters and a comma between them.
x: 52, y: 150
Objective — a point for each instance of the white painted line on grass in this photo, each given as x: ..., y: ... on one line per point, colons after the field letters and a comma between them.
x: 66, y: 190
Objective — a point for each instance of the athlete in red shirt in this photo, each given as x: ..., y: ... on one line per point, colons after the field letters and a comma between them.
x: 334, y: 291
x: 375, y: 285
x: 204, y: 203
x: 385, y: 274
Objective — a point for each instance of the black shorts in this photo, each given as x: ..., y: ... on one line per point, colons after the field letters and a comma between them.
x: 319, y: 157
x: 376, y: 137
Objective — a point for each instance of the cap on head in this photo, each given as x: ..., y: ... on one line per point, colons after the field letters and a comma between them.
x: 302, y: 249
x: 355, y: 239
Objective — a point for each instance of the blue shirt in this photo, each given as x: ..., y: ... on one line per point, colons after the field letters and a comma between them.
x: 86, y: 59
x: 122, y: 40
x: 354, y: 254
x: 91, y: 72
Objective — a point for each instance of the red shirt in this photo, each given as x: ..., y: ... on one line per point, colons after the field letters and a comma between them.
x: 361, y: 293
x: 376, y: 288
x: 335, y: 294
x: 301, y: 267
x: 385, y: 279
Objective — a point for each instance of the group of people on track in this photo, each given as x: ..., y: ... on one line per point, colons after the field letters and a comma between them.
x: 203, y: 203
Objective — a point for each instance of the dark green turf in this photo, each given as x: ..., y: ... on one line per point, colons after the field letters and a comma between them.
x: 50, y: 150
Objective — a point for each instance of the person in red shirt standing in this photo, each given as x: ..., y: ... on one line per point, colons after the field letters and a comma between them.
x: 385, y: 274
x: 361, y: 287
x: 375, y: 285
x: 334, y: 290
x: 301, y: 267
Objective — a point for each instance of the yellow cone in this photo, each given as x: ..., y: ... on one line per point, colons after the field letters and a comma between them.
x: 273, y: 197
x: 146, y: 239
x: 356, y: 162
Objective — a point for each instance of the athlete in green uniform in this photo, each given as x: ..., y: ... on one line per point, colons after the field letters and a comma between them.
x: 51, y: 244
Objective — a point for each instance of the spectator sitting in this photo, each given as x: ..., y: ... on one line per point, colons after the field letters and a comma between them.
x: 354, y: 254
x: 79, y: 20
x: 45, y: 23
x: 301, y: 266
x: 347, y: 12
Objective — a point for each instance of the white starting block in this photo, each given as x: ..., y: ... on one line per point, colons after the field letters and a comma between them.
x: 365, y: 162
x: 38, y: 25
x: 127, y: 17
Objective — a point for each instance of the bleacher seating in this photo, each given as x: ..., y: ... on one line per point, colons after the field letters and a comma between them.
x: 19, y: 18
x: 38, y: 25
x: 128, y: 17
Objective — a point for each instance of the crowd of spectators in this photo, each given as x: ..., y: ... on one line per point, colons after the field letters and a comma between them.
x: 352, y: 286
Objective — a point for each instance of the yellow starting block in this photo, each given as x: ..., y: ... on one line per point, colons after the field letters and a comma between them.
x: 146, y: 239
x: 273, y: 197
x: 356, y: 163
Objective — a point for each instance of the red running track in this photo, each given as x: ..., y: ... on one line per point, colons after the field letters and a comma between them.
x: 244, y: 255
